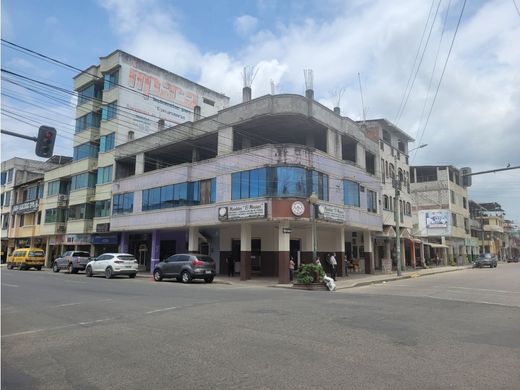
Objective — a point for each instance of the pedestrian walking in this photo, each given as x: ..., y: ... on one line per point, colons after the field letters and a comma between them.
x: 231, y: 266
x: 291, y: 269
x: 333, y: 264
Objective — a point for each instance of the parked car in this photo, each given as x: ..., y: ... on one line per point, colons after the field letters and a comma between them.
x: 111, y: 264
x: 26, y: 258
x: 514, y: 259
x: 72, y: 261
x: 185, y: 268
x: 486, y: 260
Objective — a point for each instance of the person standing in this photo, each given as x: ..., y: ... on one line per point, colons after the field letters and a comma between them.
x: 291, y: 269
x: 231, y: 266
x: 333, y: 264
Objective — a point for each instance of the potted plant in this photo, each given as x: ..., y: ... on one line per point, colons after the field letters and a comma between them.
x: 310, y: 273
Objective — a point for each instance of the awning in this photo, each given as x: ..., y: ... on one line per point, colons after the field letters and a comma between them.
x: 436, y: 245
x: 417, y: 240
x: 406, y: 233
x: 388, y: 232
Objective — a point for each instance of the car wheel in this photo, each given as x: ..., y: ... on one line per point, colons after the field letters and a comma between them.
x: 179, y: 279
x: 39, y: 268
x: 131, y: 276
x: 9, y: 266
x: 55, y: 267
x: 186, y: 277
x: 21, y: 267
x: 157, y: 275
x: 108, y: 273
x: 88, y: 271
x: 209, y: 279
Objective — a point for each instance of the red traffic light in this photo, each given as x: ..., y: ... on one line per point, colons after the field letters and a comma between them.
x: 45, y: 141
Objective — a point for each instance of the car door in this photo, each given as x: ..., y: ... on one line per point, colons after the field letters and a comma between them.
x: 168, y: 266
x: 99, y: 263
x: 177, y: 265
x: 62, y: 260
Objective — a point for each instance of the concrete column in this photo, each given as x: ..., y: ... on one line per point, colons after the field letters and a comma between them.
x: 369, y: 252
x: 195, y: 155
x: 123, y: 245
x: 360, y: 156
x: 245, y: 251
x: 339, y: 248
x: 412, y: 251
x: 225, y: 141
x: 139, y: 163
x: 283, y: 252
x: 193, y: 240
x: 403, y: 254
x: 423, y: 260
x: 155, y: 250
x: 332, y: 146
x: 388, y: 253
x: 48, y: 260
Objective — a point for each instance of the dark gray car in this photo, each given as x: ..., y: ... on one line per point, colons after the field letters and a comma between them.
x: 73, y: 261
x: 185, y: 268
x: 486, y: 260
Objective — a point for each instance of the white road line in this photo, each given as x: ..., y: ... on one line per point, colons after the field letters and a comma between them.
x: 159, y: 310
x: 81, y: 303
x: 484, y: 289
x: 468, y: 301
x: 68, y: 304
x: 10, y: 285
x: 56, y: 328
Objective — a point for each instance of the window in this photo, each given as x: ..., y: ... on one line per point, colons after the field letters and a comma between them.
x: 208, y: 101
x: 372, y: 201
x: 466, y: 225
x: 107, y: 142
x: 382, y: 145
x: 104, y: 175
x: 392, y: 171
x: 408, y: 209
x: 93, y: 91
x: 452, y: 196
x: 110, y: 80
x: 31, y: 193
x: 91, y: 120
x: 382, y: 171
x: 5, y: 221
x: 386, y: 206
x: 109, y: 111
x: 351, y: 193
x: 387, y: 172
x: 320, y: 185
x: 55, y: 215
x: 130, y: 136
x: 370, y: 161
x: 291, y: 181
x: 123, y: 203
x: 180, y: 194
x: 53, y: 188
x: 102, y: 208
x: 454, y: 219
x: 81, y: 211
x: 6, y: 199
x: 464, y: 202
x: 83, y: 180
x: 348, y: 149
x: 386, y: 136
x: 86, y: 150
x: 21, y: 220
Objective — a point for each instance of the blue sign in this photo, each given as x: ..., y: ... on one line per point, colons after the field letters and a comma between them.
x: 112, y: 239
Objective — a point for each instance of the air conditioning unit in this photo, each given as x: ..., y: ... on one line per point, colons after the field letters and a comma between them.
x: 62, y: 198
x: 61, y: 228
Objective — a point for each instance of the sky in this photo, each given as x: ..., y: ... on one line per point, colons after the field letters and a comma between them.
x: 452, y: 85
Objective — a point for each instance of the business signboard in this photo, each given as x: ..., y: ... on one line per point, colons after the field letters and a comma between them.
x: 243, y: 211
x: 436, y: 219
x: 25, y: 208
x: 330, y: 213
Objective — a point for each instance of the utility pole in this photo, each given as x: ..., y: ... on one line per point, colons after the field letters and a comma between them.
x: 397, y: 185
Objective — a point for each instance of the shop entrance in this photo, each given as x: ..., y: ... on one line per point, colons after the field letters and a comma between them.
x: 168, y: 248
x: 294, y: 251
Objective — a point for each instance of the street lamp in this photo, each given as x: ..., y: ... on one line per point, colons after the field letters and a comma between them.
x: 313, y: 199
x: 397, y: 186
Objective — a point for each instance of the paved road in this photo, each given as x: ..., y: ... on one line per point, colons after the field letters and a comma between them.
x: 458, y: 330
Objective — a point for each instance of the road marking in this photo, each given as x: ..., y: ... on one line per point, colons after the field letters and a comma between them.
x: 80, y: 303
x: 484, y: 289
x: 468, y: 301
x: 159, y: 310
x: 10, y: 285
x: 68, y: 304
x: 85, y: 323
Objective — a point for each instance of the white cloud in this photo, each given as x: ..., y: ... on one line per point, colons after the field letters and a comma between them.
x: 245, y: 24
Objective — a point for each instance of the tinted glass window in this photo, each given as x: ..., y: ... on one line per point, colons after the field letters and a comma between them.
x: 81, y: 254
x: 126, y: 257
x: 205, y: 259
x: 36, y: 253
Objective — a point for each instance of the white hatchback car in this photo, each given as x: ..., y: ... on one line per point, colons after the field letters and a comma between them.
x: 111, y: 264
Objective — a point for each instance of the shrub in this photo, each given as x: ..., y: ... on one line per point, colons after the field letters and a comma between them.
x: 307, y: 273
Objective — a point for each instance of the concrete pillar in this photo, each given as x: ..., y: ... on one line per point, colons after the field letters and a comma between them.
x: 388, y: 253
x: 195, y: 155
x: 339, y: 248
x: 48, y: 260
x: 245, y: 251
x: 403, y: 254
x: 369, y: 252
x: 360, y: 156
x: 123, y: 245
x: 155, y: 250
x: 139, y: 163
x: 193, y: 239
x: 423, y: 260
x: 332, y: 148
x: 283, y: 252
x: 225, y: 141
x: 412, y: 251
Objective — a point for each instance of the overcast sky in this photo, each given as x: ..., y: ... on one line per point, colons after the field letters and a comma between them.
x: 399, y: 48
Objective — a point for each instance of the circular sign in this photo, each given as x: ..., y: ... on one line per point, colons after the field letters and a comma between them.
x: 222, y: 211
x: 298, y: 208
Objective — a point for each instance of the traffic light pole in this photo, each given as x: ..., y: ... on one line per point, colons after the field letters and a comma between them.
x: 19, y: 135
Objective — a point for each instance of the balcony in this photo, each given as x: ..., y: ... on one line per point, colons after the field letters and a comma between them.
x: 84, y: 195
x: 60, y: 200
x: 79, y: 226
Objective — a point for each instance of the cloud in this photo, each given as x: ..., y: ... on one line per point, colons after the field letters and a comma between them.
x: 245, y: 24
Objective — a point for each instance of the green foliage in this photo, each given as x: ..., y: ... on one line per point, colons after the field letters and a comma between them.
x: 307, y: 273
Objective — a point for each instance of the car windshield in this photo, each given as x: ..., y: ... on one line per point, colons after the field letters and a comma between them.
x: 126, y: 257
x: 205, y: 259
x: 81, y: 254
x: 487, y: 256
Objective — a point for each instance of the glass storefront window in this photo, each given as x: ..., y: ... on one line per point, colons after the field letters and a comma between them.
x: 351, y: 193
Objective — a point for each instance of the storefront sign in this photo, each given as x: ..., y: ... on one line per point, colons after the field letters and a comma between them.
x: 25, y: 208
x: 436, y: 219
x: 112, y: 239
x: 244, y: 211
x: 78, y: 239
x: 330, y: 213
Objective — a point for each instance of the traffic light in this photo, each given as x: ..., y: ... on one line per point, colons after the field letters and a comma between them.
x: 45, y: 141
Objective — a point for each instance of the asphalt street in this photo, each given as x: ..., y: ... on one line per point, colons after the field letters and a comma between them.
x: 458, y: 330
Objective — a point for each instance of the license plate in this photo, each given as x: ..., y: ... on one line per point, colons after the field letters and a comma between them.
x: 208, y: 272
x: 128, y: 266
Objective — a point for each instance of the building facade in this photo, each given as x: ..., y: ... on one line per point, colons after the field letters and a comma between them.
x: 496, y: 231
x: 239, y: 184
x: 395, y: 172
x: 120, y: 100
x: 442, y: 212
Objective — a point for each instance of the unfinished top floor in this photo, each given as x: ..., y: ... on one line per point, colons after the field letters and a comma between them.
x: 438, y: 173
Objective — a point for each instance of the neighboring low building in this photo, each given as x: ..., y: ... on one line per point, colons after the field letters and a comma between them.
x: 442, y: 212
x: 496, y: 230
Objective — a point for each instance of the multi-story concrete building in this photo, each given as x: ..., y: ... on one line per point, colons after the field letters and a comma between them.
x: 395, y: 171
x: 494, y: 229
x: 442, y: 210
x: 22, y: 189
x: 240, y: 183
x: 120, y: 100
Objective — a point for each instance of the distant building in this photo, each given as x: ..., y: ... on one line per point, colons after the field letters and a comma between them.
x: 496, y: 231
x: 442, y: 212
